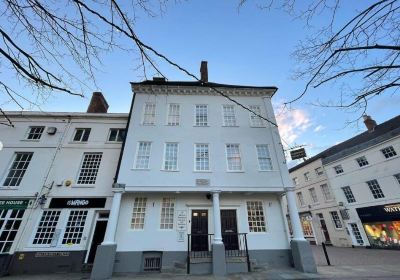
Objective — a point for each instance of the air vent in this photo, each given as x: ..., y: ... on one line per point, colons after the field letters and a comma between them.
x: 152, y: 261
x: 51, y: 130
x: 202, y: 182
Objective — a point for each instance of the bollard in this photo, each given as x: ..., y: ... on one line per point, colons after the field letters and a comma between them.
x: 326, y: 253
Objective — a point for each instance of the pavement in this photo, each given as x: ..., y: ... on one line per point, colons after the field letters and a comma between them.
x: 347, y: 263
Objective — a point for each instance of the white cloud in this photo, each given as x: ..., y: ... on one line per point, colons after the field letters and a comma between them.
x: 292, y: 124
x: 319, y: 128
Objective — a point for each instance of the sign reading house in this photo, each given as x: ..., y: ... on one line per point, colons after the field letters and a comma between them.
x: 81, y: 202
x: 14, y: 204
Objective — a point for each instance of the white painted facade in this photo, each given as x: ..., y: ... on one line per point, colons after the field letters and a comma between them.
x: 230, y: 189
x: 53, y: 172
x: 315, y: 201
x: 379, y: 168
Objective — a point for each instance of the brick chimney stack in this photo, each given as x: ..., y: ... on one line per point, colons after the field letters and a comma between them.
x: 204, y: 72
x: 98, y: 104
x: 369, y: 123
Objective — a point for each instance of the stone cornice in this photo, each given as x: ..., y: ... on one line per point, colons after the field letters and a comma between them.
x: 201, y: 90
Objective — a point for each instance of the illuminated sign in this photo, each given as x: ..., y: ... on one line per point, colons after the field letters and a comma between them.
x: 392, y: 208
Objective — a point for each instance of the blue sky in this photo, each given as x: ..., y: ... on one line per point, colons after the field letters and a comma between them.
x: 246, y: 47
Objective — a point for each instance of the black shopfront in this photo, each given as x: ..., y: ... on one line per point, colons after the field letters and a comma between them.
x: 382, y: 225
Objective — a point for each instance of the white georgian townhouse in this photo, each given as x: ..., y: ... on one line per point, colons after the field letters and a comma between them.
x: 364, y: 173
x: 319, y: 212
x: 200, y: 184
x: 57, y: 171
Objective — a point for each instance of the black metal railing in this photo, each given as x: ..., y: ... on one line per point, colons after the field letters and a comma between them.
x: 200, y: 246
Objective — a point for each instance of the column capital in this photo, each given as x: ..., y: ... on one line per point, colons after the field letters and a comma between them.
x: 215, y: 191
x: 289, y: 189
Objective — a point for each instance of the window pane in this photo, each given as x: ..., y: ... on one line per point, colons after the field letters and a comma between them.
x: 89, y: 169
x: 75, y: 226
x: 167, y: 213
x: 264, y: 158
x: 202, y: 157
x: 138, y: 213
x: 255, y: 120
x: 47, y: 227
x: 171, y: 156
x: 233, y: 157
x: 201, y: 118
x: 149, y: 114
x: 173, y: 114
x: 18, y: 169
x: 255, y: 216
x: 143, y: 155
x: 229, y: 115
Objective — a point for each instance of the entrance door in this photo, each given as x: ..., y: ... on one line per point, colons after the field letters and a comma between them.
x: 324, y: 228
x: 229, y: 229
x: 98, y: 237
x: 199, y: 230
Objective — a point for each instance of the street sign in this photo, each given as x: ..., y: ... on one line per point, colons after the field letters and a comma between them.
x: 297, y: 154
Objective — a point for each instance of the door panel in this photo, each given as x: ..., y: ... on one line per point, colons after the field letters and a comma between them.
x: 324, y: 228
x: 199, y: 230
x: 97, y: 239
x: 229, y: 229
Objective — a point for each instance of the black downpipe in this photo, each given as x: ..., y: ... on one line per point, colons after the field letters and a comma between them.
x: 124, y: 142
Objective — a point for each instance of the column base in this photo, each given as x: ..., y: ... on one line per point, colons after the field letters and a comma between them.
x: 219, y: 262
x: 303, y: 257
x: 103, y: 265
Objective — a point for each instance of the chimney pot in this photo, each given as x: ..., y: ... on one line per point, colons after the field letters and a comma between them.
x: 98, y: 104
x: 369, y: 123
x: 204, y: 72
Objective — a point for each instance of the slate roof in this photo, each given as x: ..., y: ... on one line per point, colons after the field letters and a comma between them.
x: 382, y: 132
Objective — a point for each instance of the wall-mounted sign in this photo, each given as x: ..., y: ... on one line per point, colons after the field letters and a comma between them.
x: 181, y: 224
x: 14, y: 204
x: 297, y: 154
x: 392, y: 208
x: 379, y: 213
x: 51, y: 254
x: 80, y: 202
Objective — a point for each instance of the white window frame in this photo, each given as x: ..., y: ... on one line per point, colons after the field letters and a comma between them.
x: 256, y: 121
x: 313, y: 195
x: 5, y: 216
x: 225, y: 116
x: 164, y: 157
x: 10, y: 167
x: 334, y: 215
x: 300, y: 199
x: 227, y: 159
x: 263, y: 223
x: 338, y: 169
x: 356, y: 233
x: 75, y: 230
x: 78, y: 178
x: 59, y: 213
x: 319, y: 171
x: 326, y: 191
x: 151, y: 115
x: 389, y: 152
x: 117, y: 136
x: 375, y: 189
x: 137, y: 154
x: 295, y: 181
x: 362, y: 161
x: 170, y: 117
x: 85, y: 130
x: 195, y: 158
x: 195, y: 116
x: 307, y: 176
x: 167, y: 208
x: 139, y: 202
x: 348, y: 194
x: 268, y: 159
x: 32, y: 130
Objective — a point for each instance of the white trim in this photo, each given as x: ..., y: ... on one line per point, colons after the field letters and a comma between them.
x: 194, y: 158
x: 136, y: 155
x: 177, y: 157
x: 194, y: 119
x: 226, y: 158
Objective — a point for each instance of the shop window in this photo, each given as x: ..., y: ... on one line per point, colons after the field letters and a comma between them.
x: 75, y: 226
x: 229, y: 117
x: 173, y: 115
x: 357, y: 234
x: 10, y: 221
x: 201, y: 115
x: 35, y: 132
x: 300, y: 198
x: 375, y: 189
x: 255, y: 216
x: 149, y: 114
x: 81, y: 134
x: 47, y: 227
x: 143, y: 155
x: 348, y: 194
x: 17, y: 169
x: 383, y: 234
x: 139, y: 213
x: 116, y: 135
x: 306, y: 225
x: 167, y: 213
x: 89, y: 169
x: 326, y: 192
x: 313, y: 195
x: 389, y: 152
x: 202, y: 160
x: 362, y: 161
x: 336, y: 219
x: 264, y: 157
x: 233, y: 157
x: 255, y: 120
x: 171, y: 157
x: 338, y: 169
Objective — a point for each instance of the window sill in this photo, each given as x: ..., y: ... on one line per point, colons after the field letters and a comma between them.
x: 113, y: 142
x: 202, y: 171
x: 148, y: 124
x: 30, y: 140
x: 140, y: 169
x: 257, y: 126
x: 173, y: 125
x: 259, y: 170
x: 235, y: 171
x: 201, y: 126
x: 82, y: 186
x: 7, y: 188
x: 230, y: 126
x: 169, y: 170
x: 78, y: 142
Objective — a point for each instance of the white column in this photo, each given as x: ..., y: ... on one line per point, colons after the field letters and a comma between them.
x: 109, y: 237
x: 294, y: 215
x: 217, y: 218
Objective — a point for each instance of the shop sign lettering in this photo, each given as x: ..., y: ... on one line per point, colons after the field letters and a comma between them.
x: 394, y: 208
x: 78, y: 202
x: 14, y: 204
x: 51, y: 254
